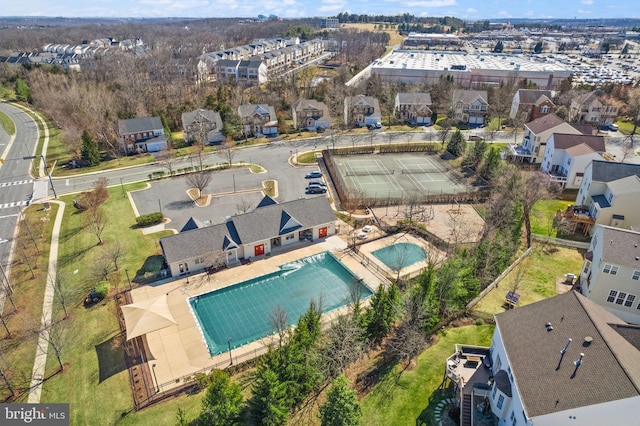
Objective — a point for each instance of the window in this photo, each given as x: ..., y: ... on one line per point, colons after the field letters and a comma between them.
x: 587, y: 264
x: 495, y: 389
x: 545, y: 109
x: 500, y: 402
x: 514, y: 420
x: 636, y: 275
x: 610, y: 269
x: 621, y: 298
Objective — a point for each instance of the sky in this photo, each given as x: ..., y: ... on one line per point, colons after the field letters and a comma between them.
x: 464, y: 9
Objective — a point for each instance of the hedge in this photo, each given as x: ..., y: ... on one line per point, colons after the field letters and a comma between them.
x: 150, y: 219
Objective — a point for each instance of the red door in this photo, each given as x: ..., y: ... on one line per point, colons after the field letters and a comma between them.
x: 322, y: 232
x: 258, y: 250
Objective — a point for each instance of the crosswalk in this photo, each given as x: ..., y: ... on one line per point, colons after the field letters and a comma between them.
x: 18, y: 182
x: 14, y: 204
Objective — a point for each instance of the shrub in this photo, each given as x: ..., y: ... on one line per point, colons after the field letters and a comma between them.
x: 479, y: 321
x: 150, y: 219
x: 102, y: 288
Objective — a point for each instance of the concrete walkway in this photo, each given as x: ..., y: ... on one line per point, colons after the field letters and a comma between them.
x: 37, y: 376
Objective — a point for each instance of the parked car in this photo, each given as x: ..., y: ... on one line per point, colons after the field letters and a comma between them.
x: 377, y: 125
x: 613, y: 127
x: 367, y: 228
x: 313, y: 175
x: 317, y: 183
x: 316, y: 190
x: 475, y: 138
x: 362, y: 236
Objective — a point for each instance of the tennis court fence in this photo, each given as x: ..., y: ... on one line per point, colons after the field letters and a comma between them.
x: 422, y: 171
x: 377, y: 172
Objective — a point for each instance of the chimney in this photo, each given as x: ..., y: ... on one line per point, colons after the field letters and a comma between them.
x: 564, y: 350
x: 578, y: 362
x: 549, y: 326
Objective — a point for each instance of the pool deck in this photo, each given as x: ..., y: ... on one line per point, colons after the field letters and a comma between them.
x: 180, y: 350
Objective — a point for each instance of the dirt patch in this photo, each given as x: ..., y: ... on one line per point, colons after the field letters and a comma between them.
x: 563, y: 285
x: 457, y: 223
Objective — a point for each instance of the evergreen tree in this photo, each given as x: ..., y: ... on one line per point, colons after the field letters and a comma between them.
x: 341, y: 407
x: 222, y: 402
x: 269, y: 404
x: 90, y: 150
x: 498, y: 47
x: 457, y: 145
x: 382, y: 313
x: 538, y: 47
x: 23, y: 91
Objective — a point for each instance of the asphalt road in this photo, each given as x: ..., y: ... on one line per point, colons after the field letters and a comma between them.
x: 16, y: 182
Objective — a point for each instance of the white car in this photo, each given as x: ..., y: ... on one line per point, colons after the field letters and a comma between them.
x: 367, y: 228
x: 362, y: 236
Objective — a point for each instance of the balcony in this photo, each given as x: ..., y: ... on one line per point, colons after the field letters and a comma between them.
x: 580, y: 217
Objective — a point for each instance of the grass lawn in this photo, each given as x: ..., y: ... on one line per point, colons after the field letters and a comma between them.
x: 28, y: 278
x: 95, y: 381
x: 541, y: 268
x: 543, y: 213
x: 307, y: 157
x: 7, y: 124
x: 401, y: 397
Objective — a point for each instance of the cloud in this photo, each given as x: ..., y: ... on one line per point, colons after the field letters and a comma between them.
x: 431, y: 3
x: 587, y: 2
x: 584, y: 12
x: 471, y: 10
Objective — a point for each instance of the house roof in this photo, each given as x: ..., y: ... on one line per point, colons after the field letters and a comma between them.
x: 201, y: 115
x: 362, y: 100
x: 135, y: 125
x: 627, y: 185
x: 260, y: 224
x: 311, y: 105
x: 468, y: 96
x: 544, y: 123
x: 566, y: 141
x: 503, y: 383
x: 534, y: 96
x: 608, y: 171
x: 192, y: 223
x: 549, y: 382
x: 266, y: 201
x: 249, y: 110
x: 621, y: 247
x: 422, y: 98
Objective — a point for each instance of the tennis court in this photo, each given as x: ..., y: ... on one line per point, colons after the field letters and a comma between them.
x: 398, y: 175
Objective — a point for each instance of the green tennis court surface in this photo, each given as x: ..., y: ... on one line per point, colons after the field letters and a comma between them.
x: 397, y: 175
x: 241, y: 312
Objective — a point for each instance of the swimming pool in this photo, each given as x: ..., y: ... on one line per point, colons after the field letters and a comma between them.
x: 241, y: 312
x: 400, y: 255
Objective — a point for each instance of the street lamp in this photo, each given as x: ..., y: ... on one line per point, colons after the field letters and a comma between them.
x: 126, y: 271
x: 230, y: 358
x: 153, y: 369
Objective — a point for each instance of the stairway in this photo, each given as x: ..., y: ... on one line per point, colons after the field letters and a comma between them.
x: 465, y: 413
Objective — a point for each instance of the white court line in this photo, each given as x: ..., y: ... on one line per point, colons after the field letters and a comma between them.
x: 353, y: 181
x: 390, y: 178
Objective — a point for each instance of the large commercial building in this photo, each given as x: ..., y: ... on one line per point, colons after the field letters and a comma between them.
x: 469, y: 70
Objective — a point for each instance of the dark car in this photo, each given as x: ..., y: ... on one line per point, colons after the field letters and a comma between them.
x: 317, y: 183
x: 313, y: 175
x: 316, y: 190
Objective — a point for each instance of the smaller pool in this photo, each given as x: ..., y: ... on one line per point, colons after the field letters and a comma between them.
x: 400, y: 255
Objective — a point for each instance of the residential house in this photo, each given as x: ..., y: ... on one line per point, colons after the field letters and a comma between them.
x: 139, y: 135
x: 532, y: 104
x: 258, y: 120
x: 414, y: 108
x: 610, y: 275
x: 567, y: 155
x: 204, y: 125
x: 470, y: 106
x: 362, y: 111
x: 310, y: 114
x: 559, y: 361
x: 536, y: 134
x: 242, y: 71
x: 256, y: 233
x: 592, y: 108
x: 608, y: 195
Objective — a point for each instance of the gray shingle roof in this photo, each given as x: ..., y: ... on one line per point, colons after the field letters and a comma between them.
x: 565, y: 141
x: 532, y: 96
x: 544, y: 123
x: 468, y: 96
x: 405, y: 98
x: 548, y: 382
x: 256, y: 225
x: 621, y: 247
x: 143, y: 124
x: 249, y: 110
x: 205, y: 115
x: 607, y: 171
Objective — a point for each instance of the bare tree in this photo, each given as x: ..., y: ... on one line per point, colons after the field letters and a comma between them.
x: 535, y: 187
x: 409, y: 338
x: 342, y: 345
x: 95, y: 221
x: 243, y: 206
x: 227, y: 151
x: 63, y: 291
x: 167, y: 160
x: 279, y: 321
x: 5, y: 375
x: 516, y: 277
x: 114, y: 252
x: 199, y: 180
x: 56, y: 336
x: 4, y: 323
